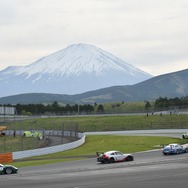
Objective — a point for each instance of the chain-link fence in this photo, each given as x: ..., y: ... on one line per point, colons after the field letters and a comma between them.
x: 19, y: 139
x: 19, y: 143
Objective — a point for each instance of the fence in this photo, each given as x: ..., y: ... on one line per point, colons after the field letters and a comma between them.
x: 15, y: 141
x: 20, y: 143
x: 49, y: 150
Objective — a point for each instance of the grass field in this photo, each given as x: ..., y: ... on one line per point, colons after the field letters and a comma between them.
x: 96, y: 143
x: 104, y: 123
x: 128, y: 144
x: 18, y: 143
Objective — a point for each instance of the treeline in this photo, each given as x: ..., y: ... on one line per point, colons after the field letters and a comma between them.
x: 56, y: 109
x: 172, y: 103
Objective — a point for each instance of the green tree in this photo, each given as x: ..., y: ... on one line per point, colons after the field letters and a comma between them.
x: 100, y: 109
x: 147, y: 106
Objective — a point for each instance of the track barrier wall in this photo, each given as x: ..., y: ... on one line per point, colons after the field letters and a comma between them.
x: 6, y: 158
x: 49, y: 150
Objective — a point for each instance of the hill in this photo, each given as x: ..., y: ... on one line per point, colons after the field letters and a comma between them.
x: 168, y: 85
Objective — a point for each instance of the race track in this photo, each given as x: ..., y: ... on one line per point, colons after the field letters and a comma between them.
x: 148, y: 170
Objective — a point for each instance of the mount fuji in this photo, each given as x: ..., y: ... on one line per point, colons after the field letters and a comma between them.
x: 76, y: 69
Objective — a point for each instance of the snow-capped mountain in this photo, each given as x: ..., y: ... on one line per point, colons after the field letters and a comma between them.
x: 73, y: 70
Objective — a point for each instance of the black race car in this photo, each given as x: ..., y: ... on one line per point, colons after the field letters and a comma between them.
x: 8, y: 169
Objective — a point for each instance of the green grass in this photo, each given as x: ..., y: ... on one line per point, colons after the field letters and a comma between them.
x: 94, y: 143
x: 104, y: 123
x: 128, y: 144
x: 18, y: 143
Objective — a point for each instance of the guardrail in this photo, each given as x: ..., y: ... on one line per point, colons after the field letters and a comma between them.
x: 49, y: 150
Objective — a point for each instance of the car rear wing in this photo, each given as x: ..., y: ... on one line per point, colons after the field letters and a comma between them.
x: 98, y: 153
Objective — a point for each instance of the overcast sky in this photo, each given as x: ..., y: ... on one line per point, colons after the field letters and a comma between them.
x: 149, y: 34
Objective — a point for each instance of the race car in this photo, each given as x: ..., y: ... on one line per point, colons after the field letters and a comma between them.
x: 185, y: 136
x: 113, y: 156
x: 174, y: 149
x: 8, y: 169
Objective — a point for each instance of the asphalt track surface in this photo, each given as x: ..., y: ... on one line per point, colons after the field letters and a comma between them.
x: 149, y: 170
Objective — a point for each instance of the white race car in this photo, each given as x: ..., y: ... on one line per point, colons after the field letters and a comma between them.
x: 113, y: 156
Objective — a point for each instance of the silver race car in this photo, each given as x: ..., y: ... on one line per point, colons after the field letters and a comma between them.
x: 113, y: 156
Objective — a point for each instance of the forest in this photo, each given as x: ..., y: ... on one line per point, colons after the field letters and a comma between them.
x: 120, y: 107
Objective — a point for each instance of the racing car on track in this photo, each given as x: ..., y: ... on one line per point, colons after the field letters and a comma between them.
x: 8, y: 169
x: 174, y: 149
x: 113, y: 156
x: 185, y: 136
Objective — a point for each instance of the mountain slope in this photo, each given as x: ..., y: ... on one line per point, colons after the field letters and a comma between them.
x: 168, y: 85
x: 76, y: 69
